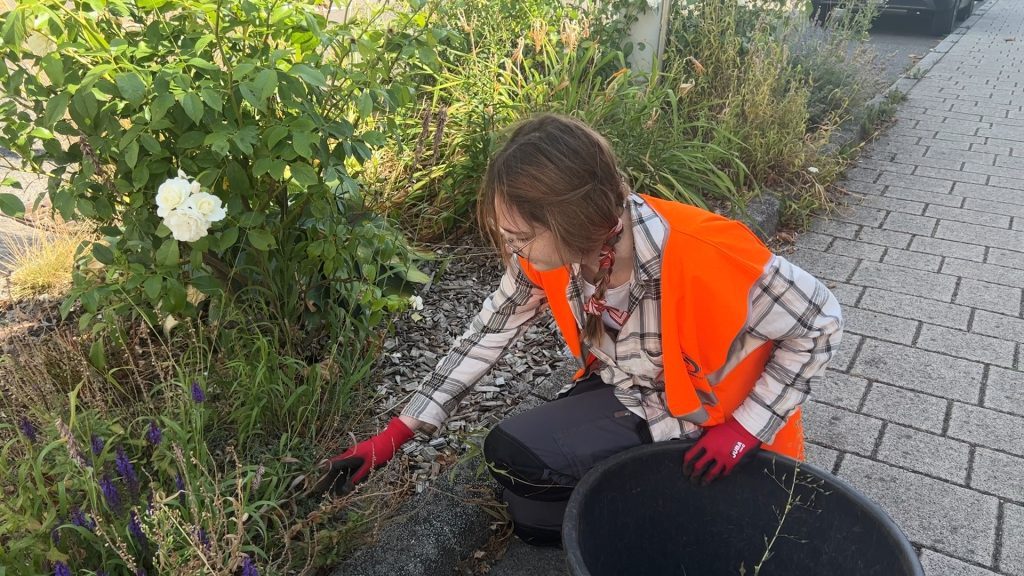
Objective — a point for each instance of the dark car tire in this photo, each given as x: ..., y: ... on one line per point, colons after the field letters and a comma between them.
x: 965, y: 11
x: 821, y: 12
x: 943, y: 21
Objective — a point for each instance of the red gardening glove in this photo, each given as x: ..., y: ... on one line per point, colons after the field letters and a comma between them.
x: 718, y: 452
x: 350, y: 467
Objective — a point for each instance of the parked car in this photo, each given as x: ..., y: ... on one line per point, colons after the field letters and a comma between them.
x: 943, y: 14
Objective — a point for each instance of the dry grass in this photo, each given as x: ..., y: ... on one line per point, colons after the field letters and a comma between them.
x: 42, y: 264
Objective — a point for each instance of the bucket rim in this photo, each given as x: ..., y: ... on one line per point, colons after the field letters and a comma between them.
x: 570, y: 524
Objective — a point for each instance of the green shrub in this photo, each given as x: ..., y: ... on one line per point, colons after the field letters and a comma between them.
x: 268, y: 106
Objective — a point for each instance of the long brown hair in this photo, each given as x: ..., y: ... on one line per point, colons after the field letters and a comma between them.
x: 561, y: 175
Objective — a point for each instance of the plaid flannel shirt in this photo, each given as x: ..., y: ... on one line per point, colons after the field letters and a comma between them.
x: 787, y: 306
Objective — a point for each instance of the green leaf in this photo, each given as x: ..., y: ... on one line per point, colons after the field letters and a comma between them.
x: 251, y: 219
x: 310, y: 75
x: 227, y: 238
x: 218, y: 141
x: 238, y: 180
x: 102, y: 253
x: 365, y: 104
x: 374, y: 138
x: 152, y: 286
x: 161, y: 104
x: 56, y: 107
x: 167, y: 254
x: 193, y: 105
x: 303, y: 174
x: 97, y: 356
x: 11, y: 205
x: 212, y: 99
x: 261, y: 239
x: 132, y: 87
x: 131, y: 154
x: 246, y: 138
x: 84, y: 107
x: 274, y: 134
x: 265, y: 84
x: 302, y: 143
x: 54, y: 68
x: 140, y: 176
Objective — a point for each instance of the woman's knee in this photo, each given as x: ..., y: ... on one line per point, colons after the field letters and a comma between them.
x: 517, y: 467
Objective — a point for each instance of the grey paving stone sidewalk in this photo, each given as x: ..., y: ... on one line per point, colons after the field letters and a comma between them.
x: 924, y: 410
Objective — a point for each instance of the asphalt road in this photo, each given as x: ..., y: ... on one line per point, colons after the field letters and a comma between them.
x: 900, y: 40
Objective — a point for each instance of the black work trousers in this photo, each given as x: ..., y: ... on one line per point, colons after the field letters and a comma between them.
x: 540, y: 455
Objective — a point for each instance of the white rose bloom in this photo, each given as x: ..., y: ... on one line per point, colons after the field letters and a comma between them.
x: 207, y: 205
x: 171, y: 194
x: 186, y: 224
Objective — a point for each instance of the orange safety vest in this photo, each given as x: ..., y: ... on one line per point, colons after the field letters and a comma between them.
x: 709, y: 266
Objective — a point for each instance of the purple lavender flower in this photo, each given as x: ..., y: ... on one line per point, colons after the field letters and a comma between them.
x: 154, y: 435
x: 78, y: 518
x: 110, y: 493
x: 135, y: 529
x: 61, y: 569
x: 197, y: 393
x: 127, y: 471
x: 179, y: 483
x: 28, y: 429
x: 97, y: 445
x: 249, y: 567
x: 55, y: 533
x: 204, y: 538
x: 140, y: 572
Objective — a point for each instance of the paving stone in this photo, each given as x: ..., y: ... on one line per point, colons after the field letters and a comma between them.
x: 855, y: 249
x: 916, y: 307
x: 940, y: 198
x: 925, y: 453
x: 885, y: 237
x: 888, y: 162
x: 940, y: 247
x: 948, y: 174
x: 815, y: 241
x: 936, y: 564
x: 967, y: 345
x: 953, y: 520
x: 930, y: 372
x: 909, y: 223
x: 915, y: 182
x: 862, y: 174
x: 994, y: 297
x: 847, y: 294
x: 987, y: 272
x: 994, y: 207
x: 861, y: 187
x: 860, y: 215
x: 984, y: 235
x: 1004, y: 432
x: 907, y: 407
x: 841, y: 429
x: 999, y: 474
x: 1004, y: 391
x: 998, y: 325
x: 990, y: 193
x: 822, y: 457
x: 823, y: 265
x: 949, y: 126
x: 979, y: 158
x: 969, y: 216
x: 999, y: 175
x: 907, y: 164
x: 834, y: 228
x: 904, y: 280
x: 893, y: 204
x: 878, y: 325
x: 844, y: 354
x: 838, y: 389
x: 992, y: 149
x: 936, y: 143
x: 918, y: 260
x: 1011, y: 559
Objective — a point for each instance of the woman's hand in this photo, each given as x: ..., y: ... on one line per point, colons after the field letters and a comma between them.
x: 718, y: 452
x: 341, y: 473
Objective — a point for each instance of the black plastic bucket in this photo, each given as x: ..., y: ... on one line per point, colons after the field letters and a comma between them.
x: 635, y: 513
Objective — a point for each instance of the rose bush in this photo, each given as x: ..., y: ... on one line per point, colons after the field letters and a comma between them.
x: 272, y: 108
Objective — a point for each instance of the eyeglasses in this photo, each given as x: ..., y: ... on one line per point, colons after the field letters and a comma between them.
x: 518, y: 251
